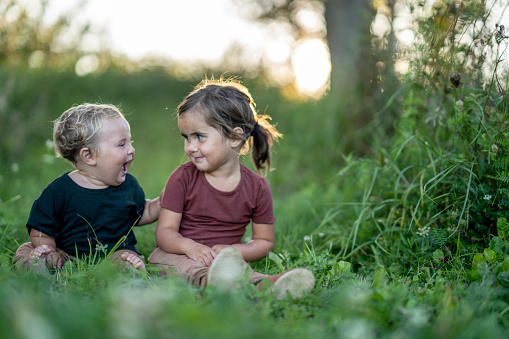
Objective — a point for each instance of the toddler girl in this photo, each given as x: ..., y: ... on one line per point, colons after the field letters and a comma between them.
x: 93, y: 208
x: 214, y: 197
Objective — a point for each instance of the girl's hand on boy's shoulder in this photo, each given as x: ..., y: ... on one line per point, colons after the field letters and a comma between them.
x: 201, y: 253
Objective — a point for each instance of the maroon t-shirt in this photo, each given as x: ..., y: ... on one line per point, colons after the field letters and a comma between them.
x: 211, y: 216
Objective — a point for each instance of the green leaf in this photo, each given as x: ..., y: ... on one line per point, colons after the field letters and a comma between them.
x: 503, y: 228
x: 277, y: 259
x: 439, y: 255
x: 479, y: 264
x: 490, y: 255
x: 380, y: 277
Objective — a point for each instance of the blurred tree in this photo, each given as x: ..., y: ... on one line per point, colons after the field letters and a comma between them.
x: 359, y: 64
x: 376, y: 44
x: 29, y: 39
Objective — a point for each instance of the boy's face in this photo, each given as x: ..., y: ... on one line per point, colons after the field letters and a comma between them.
x: 115, y: 153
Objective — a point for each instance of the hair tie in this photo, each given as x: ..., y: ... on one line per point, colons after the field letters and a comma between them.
x: 255, y: 130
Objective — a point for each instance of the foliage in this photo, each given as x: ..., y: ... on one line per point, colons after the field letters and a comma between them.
x: 410, y: 241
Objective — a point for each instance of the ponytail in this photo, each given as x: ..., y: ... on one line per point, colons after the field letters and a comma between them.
x: 263, y: 136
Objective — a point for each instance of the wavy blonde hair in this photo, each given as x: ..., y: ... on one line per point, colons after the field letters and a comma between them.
x: 80, y: 127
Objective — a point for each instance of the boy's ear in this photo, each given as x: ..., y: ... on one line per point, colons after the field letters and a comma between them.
x: 87, y: 156
x: 236, y: 141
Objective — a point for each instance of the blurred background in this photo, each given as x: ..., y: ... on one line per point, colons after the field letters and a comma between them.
x: 328, y: 72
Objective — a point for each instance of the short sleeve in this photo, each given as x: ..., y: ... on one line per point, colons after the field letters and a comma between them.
x: 264, y: 211
x: 139, y: 197
x: 175, y: 191
x: 43, y: 215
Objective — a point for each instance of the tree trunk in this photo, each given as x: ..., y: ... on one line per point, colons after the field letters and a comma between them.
x: 348, y: 31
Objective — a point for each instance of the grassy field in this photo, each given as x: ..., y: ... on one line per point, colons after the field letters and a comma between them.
x: 357, y: 222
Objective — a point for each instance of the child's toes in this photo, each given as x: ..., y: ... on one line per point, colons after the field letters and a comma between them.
x: 134, y: 260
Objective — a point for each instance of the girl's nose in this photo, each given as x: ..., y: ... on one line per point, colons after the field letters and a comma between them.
x: 192, y: 147
x: 131, y: 149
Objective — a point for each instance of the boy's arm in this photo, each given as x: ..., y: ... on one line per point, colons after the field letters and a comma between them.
x: 38, y: 239
x: 151, y: 211
x: 259, y: 247
x: 170, y: 240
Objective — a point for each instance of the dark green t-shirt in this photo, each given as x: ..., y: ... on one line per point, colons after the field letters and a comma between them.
x: 88, y: 220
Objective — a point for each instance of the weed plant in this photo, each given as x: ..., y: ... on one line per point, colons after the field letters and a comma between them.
x: 411, y: 242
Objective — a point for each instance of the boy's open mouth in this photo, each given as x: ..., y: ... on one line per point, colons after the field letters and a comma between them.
x: 125, y: 167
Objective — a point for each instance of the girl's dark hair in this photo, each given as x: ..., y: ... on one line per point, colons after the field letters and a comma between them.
x: 226, y: 105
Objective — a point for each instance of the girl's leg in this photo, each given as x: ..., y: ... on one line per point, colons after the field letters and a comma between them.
x: 191, y: 270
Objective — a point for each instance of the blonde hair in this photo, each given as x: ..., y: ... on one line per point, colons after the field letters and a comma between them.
x: 226, y: 105
x: 80, y: 127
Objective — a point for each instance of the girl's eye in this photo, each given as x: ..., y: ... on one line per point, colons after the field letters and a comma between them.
x: 200, y: 137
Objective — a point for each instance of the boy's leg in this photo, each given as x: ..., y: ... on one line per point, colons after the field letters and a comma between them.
x: 191, y: 270
x: 127, y: 258
x: 24, y: 259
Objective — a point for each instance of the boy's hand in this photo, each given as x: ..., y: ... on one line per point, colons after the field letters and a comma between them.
x: 53, y: 259
x: 40, y: 250
x: 201, y: 253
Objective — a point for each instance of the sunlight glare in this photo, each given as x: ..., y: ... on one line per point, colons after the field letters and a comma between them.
x: 86, y: 64
x: 311, y: 64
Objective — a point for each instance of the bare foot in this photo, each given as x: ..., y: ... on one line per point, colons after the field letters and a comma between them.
x: 136, y: 261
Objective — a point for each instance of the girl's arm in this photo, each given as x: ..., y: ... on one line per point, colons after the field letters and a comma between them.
x: 259, y: 247
x: 170, y: 240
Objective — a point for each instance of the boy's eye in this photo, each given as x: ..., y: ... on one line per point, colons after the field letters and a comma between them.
x: 200, y: 137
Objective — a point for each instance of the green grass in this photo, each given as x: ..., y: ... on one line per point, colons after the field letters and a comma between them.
x: 353, y: 222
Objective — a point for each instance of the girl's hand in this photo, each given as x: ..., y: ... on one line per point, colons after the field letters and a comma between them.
x: 201, y: 253
x: 218, y: 248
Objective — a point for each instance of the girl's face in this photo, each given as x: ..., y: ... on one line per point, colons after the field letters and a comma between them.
x: 205, y: 146
x: 115, y: 153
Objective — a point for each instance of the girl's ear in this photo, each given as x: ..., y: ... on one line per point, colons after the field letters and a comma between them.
x: 87, y: 156
x: 236, y: 141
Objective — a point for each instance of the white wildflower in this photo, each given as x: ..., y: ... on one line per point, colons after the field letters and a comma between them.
x: 487, y: 197
x: 459, y: 104
x: 307, y: 238
x: 423, y: 231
